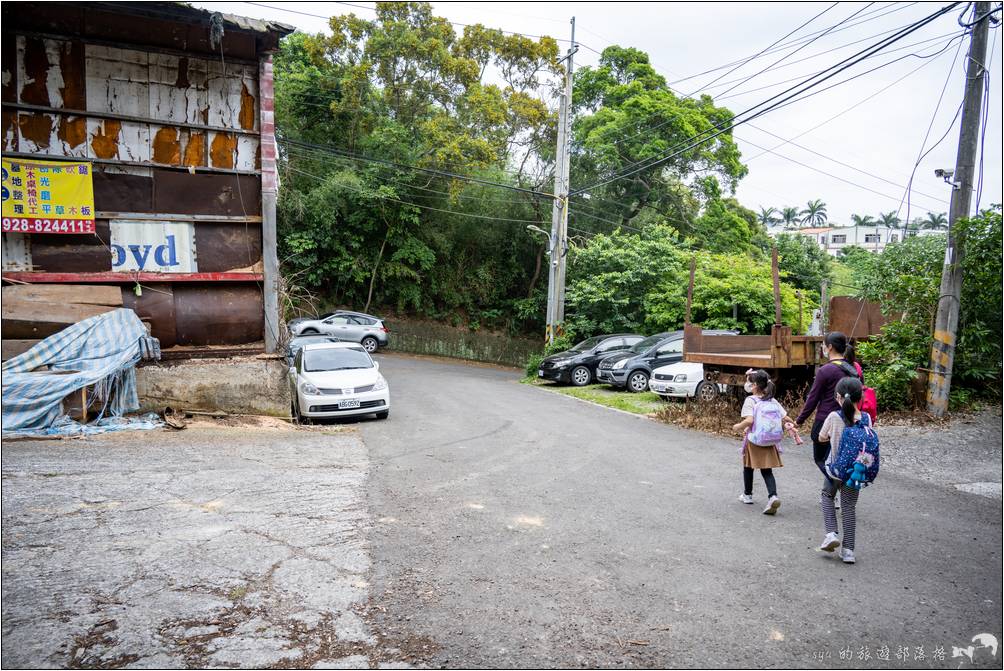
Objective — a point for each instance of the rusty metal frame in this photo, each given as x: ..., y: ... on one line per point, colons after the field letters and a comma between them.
x: 25, y: 107
x: 136, y: 164
x: 206, y: 218
x: 126, y: 277
x: 120, y: 44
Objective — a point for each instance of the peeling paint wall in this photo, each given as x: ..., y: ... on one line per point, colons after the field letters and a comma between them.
x: 169, y: 124
x: 164, y: 88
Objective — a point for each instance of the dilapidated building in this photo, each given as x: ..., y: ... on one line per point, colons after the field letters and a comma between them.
x: 171, y: 107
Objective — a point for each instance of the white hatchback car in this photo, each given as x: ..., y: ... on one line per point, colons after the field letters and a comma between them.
x: 337, y: 379
x: 684, y: 379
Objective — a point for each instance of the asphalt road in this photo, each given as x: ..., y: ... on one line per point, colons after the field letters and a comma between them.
x: 517, y: 527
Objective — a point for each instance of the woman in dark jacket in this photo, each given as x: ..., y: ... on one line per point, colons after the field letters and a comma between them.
x: 840, y: 355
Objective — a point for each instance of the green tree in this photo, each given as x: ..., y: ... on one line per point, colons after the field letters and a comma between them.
x: 804, y: 263
x: 626, y: 116
x: 814, y: 213
x: 889, y: 219
x: 862, y: 220
x: 935, y: 221
x: 768, y: 216
x: 790, y: 216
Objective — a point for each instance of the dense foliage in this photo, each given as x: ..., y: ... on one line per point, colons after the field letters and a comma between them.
x: 906, y: 280
x: 365, y: 113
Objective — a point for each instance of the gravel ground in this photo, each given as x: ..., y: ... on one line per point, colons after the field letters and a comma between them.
x: 964, y: 451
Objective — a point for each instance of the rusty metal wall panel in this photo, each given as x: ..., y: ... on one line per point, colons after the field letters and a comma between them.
x: 217, y: 314
x: 178, y: 88
x: 73, y: 253
x: 855, y: 317
x: 16, y: 251
x: 118, y: 80
x: 122, y: 192
x: 155, y: 305
x: 183, y: 193
x: 233, y: 95
x: 227, y: 246
x: 8, y: 66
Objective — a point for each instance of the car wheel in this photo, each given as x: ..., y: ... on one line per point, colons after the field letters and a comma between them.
x: 637, y: 382
x: 370, y: 344
x: 310, y: 331
x: 383, y: 415
x: 581, y: 376
x: 297, y: 417
x: 705, y: 392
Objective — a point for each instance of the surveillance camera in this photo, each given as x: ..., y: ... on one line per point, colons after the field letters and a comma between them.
x: 941, y: 172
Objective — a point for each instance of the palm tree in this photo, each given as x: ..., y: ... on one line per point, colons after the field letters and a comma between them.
x: 789, y: 216
x: 814, y: 213
x: 935, y: 221
x: 889, y: 220
x: 768, y: 216
x: 866, y: 220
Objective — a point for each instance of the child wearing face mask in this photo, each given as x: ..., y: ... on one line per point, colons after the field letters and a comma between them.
x: 763, y: 424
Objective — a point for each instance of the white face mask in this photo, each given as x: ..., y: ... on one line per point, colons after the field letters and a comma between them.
x: 748, y: 387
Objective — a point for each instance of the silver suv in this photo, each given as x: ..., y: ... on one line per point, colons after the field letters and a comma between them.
x: 367, y: 330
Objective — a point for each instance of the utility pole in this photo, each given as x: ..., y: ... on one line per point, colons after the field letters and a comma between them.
x: 947, y: 320
x: 559, y: 212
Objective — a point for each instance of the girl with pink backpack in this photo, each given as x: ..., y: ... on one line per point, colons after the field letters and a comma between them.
x: 763, y: 425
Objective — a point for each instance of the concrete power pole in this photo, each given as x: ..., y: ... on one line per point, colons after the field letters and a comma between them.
x: 947, y: 320
x: 559, y: 212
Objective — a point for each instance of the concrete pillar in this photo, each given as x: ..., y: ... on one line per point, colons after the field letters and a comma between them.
x: 269, y: 192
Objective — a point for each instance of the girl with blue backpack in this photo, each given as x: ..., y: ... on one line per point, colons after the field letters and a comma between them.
x: 763, y: 424
x: 852, y: 463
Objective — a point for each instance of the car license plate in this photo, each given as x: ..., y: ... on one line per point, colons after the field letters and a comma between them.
x: 540, y: 373
x: 658, y: 387
x: 348, y: 404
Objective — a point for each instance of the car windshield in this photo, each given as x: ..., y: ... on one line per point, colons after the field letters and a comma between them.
x: 646, y: 344
x: 342, y: 358
x: 587, y: 344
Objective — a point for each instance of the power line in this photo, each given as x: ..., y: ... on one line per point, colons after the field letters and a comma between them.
x: 382, y: 196
x: 404, y: 166
x: 763, y: 51
x: 799, y: 41
x: 808, y: 84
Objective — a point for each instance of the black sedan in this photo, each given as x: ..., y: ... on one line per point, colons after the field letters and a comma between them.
x: 578, y: 365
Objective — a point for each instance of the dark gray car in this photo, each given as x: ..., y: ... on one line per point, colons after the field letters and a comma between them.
x: 632, y: 368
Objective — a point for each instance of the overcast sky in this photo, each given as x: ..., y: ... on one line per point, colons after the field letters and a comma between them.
x: 876, y: 143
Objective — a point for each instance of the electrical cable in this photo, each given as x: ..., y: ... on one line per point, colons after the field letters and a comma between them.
x: 765, y: 49
x: 782, y: 58
x: 754, y: 112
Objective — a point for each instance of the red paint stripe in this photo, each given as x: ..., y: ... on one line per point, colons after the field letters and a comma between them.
x: 128, y: 277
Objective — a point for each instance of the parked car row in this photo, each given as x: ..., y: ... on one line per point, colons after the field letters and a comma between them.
x: 633, y: 362
x: 331, y: 370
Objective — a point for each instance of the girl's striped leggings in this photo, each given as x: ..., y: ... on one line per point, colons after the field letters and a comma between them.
x: 848, y: 502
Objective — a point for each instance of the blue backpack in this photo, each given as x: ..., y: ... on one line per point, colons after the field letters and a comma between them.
x: 857, y: 462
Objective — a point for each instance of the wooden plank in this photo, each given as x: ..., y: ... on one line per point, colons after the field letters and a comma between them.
x: 37, y: 319
x: 85, y: 294
x: 130, y: 277
x: 13, y: 348
x: 747, y: 360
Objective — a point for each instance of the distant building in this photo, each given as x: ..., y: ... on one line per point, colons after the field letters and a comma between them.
x: 834, y: 238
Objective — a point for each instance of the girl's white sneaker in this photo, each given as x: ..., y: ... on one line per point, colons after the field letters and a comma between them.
x: 830, y: 542
x: 847, y: 556
x: 746, y: 498
x: 773, y: 503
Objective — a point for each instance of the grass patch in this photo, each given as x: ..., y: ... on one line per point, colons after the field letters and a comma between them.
x: 645, y: 403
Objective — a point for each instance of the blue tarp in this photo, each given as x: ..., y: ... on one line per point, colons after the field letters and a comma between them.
x: 102, y: 350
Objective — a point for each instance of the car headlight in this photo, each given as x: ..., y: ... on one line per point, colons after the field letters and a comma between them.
x: 620, y: 364
x: 309, y: 389
x: 682, y: 377
x: 562, y: 364
x: 381, y: 384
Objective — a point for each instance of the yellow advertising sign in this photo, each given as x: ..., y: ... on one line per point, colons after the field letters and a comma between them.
x: 47, y: 197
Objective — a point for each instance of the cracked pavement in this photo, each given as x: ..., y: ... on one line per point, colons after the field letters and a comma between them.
x: 214, y: 547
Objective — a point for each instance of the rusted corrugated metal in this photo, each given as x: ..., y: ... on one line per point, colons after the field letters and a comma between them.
x: 174, y: 129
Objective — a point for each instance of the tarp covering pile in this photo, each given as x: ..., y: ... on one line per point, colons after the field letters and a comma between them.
x: 101, y: 351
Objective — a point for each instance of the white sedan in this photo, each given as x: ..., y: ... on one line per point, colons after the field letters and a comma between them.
x: 337, y: 379
x: 684, y: 380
